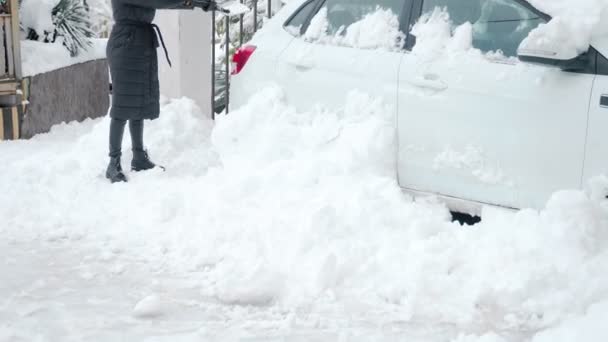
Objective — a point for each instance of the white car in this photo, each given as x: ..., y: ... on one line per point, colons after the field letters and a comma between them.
x: 499, y: 131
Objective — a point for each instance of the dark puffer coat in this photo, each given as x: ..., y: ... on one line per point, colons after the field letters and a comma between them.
x: 133, y: 59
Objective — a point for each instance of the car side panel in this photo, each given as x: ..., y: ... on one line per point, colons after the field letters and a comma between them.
x: 320, y: 74
x: 260, y: 70
x: 497, y: 133
x: 596, y: 159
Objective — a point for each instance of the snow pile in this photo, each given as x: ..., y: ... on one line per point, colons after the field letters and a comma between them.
x: 436, y: 38
x: 37, y: 14
x: 558, y: 39
x: 376, y: 30
x: 318, y: 27
x: 235, y: 8
x: 591, y: 327
x: 301, y: 212
x: 567, y: 35
x: 150, y: 306
x: 573, y: 26
x: 39, y: 57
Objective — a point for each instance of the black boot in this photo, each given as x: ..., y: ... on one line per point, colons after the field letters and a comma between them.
x: 114, y: 172
x: 141, y: 161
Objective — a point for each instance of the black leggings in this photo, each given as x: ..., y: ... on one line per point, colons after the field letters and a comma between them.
x: 117, y: 130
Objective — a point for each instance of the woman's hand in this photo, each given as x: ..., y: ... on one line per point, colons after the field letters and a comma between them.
x: 205, y: 5
x: 208, y: 5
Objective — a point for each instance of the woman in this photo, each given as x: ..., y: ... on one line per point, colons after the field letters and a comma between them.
x: 133, y: 63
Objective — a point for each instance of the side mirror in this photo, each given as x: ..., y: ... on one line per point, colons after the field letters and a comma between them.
x: 553, y: 55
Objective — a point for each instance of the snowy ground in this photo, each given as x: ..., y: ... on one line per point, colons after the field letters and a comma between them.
x: 62, y: 291
x: 273, y: 225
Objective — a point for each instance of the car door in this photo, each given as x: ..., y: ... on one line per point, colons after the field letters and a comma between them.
x: 482, y: 126
x: 321, y: 68
x: 596, y: 158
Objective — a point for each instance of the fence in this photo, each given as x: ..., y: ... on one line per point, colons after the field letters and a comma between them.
x: 75, y: 100
x: 11, y: 109
x: 10, y: 58
x: 220, y: 87
x: 7, y: 59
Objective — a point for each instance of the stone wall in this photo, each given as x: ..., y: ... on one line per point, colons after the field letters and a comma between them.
x: 72, y: 93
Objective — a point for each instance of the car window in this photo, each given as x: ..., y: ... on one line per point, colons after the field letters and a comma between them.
x: 297, y: 21
x: 362, y: 24
x: 343, y: 13
x: 498, y: 25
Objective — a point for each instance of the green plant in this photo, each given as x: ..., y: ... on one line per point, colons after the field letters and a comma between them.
x: 71, y: 20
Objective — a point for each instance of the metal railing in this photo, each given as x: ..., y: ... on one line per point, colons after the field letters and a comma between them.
x: 220, y: 83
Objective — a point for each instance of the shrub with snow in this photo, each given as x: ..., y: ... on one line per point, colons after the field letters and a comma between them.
x: 65, y: 21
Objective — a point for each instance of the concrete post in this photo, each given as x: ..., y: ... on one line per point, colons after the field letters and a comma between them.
x: 187, y: 35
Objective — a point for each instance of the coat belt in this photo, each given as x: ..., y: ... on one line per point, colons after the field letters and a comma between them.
x: 152, y: 26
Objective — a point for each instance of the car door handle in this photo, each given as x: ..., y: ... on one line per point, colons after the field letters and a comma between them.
x: 429, y: 81
x: 604, y: 101
x: 302, y: 67
x: 301, y: 63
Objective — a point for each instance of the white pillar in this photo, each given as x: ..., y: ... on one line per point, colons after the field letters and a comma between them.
x: 187, y: 34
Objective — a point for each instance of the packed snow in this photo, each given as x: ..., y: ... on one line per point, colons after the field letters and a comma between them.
x: 272, y: 223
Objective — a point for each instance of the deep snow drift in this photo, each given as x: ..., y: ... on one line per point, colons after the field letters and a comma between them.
x: 301, y: 212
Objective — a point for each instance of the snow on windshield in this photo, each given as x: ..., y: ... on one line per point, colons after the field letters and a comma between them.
x: 376, y: 30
